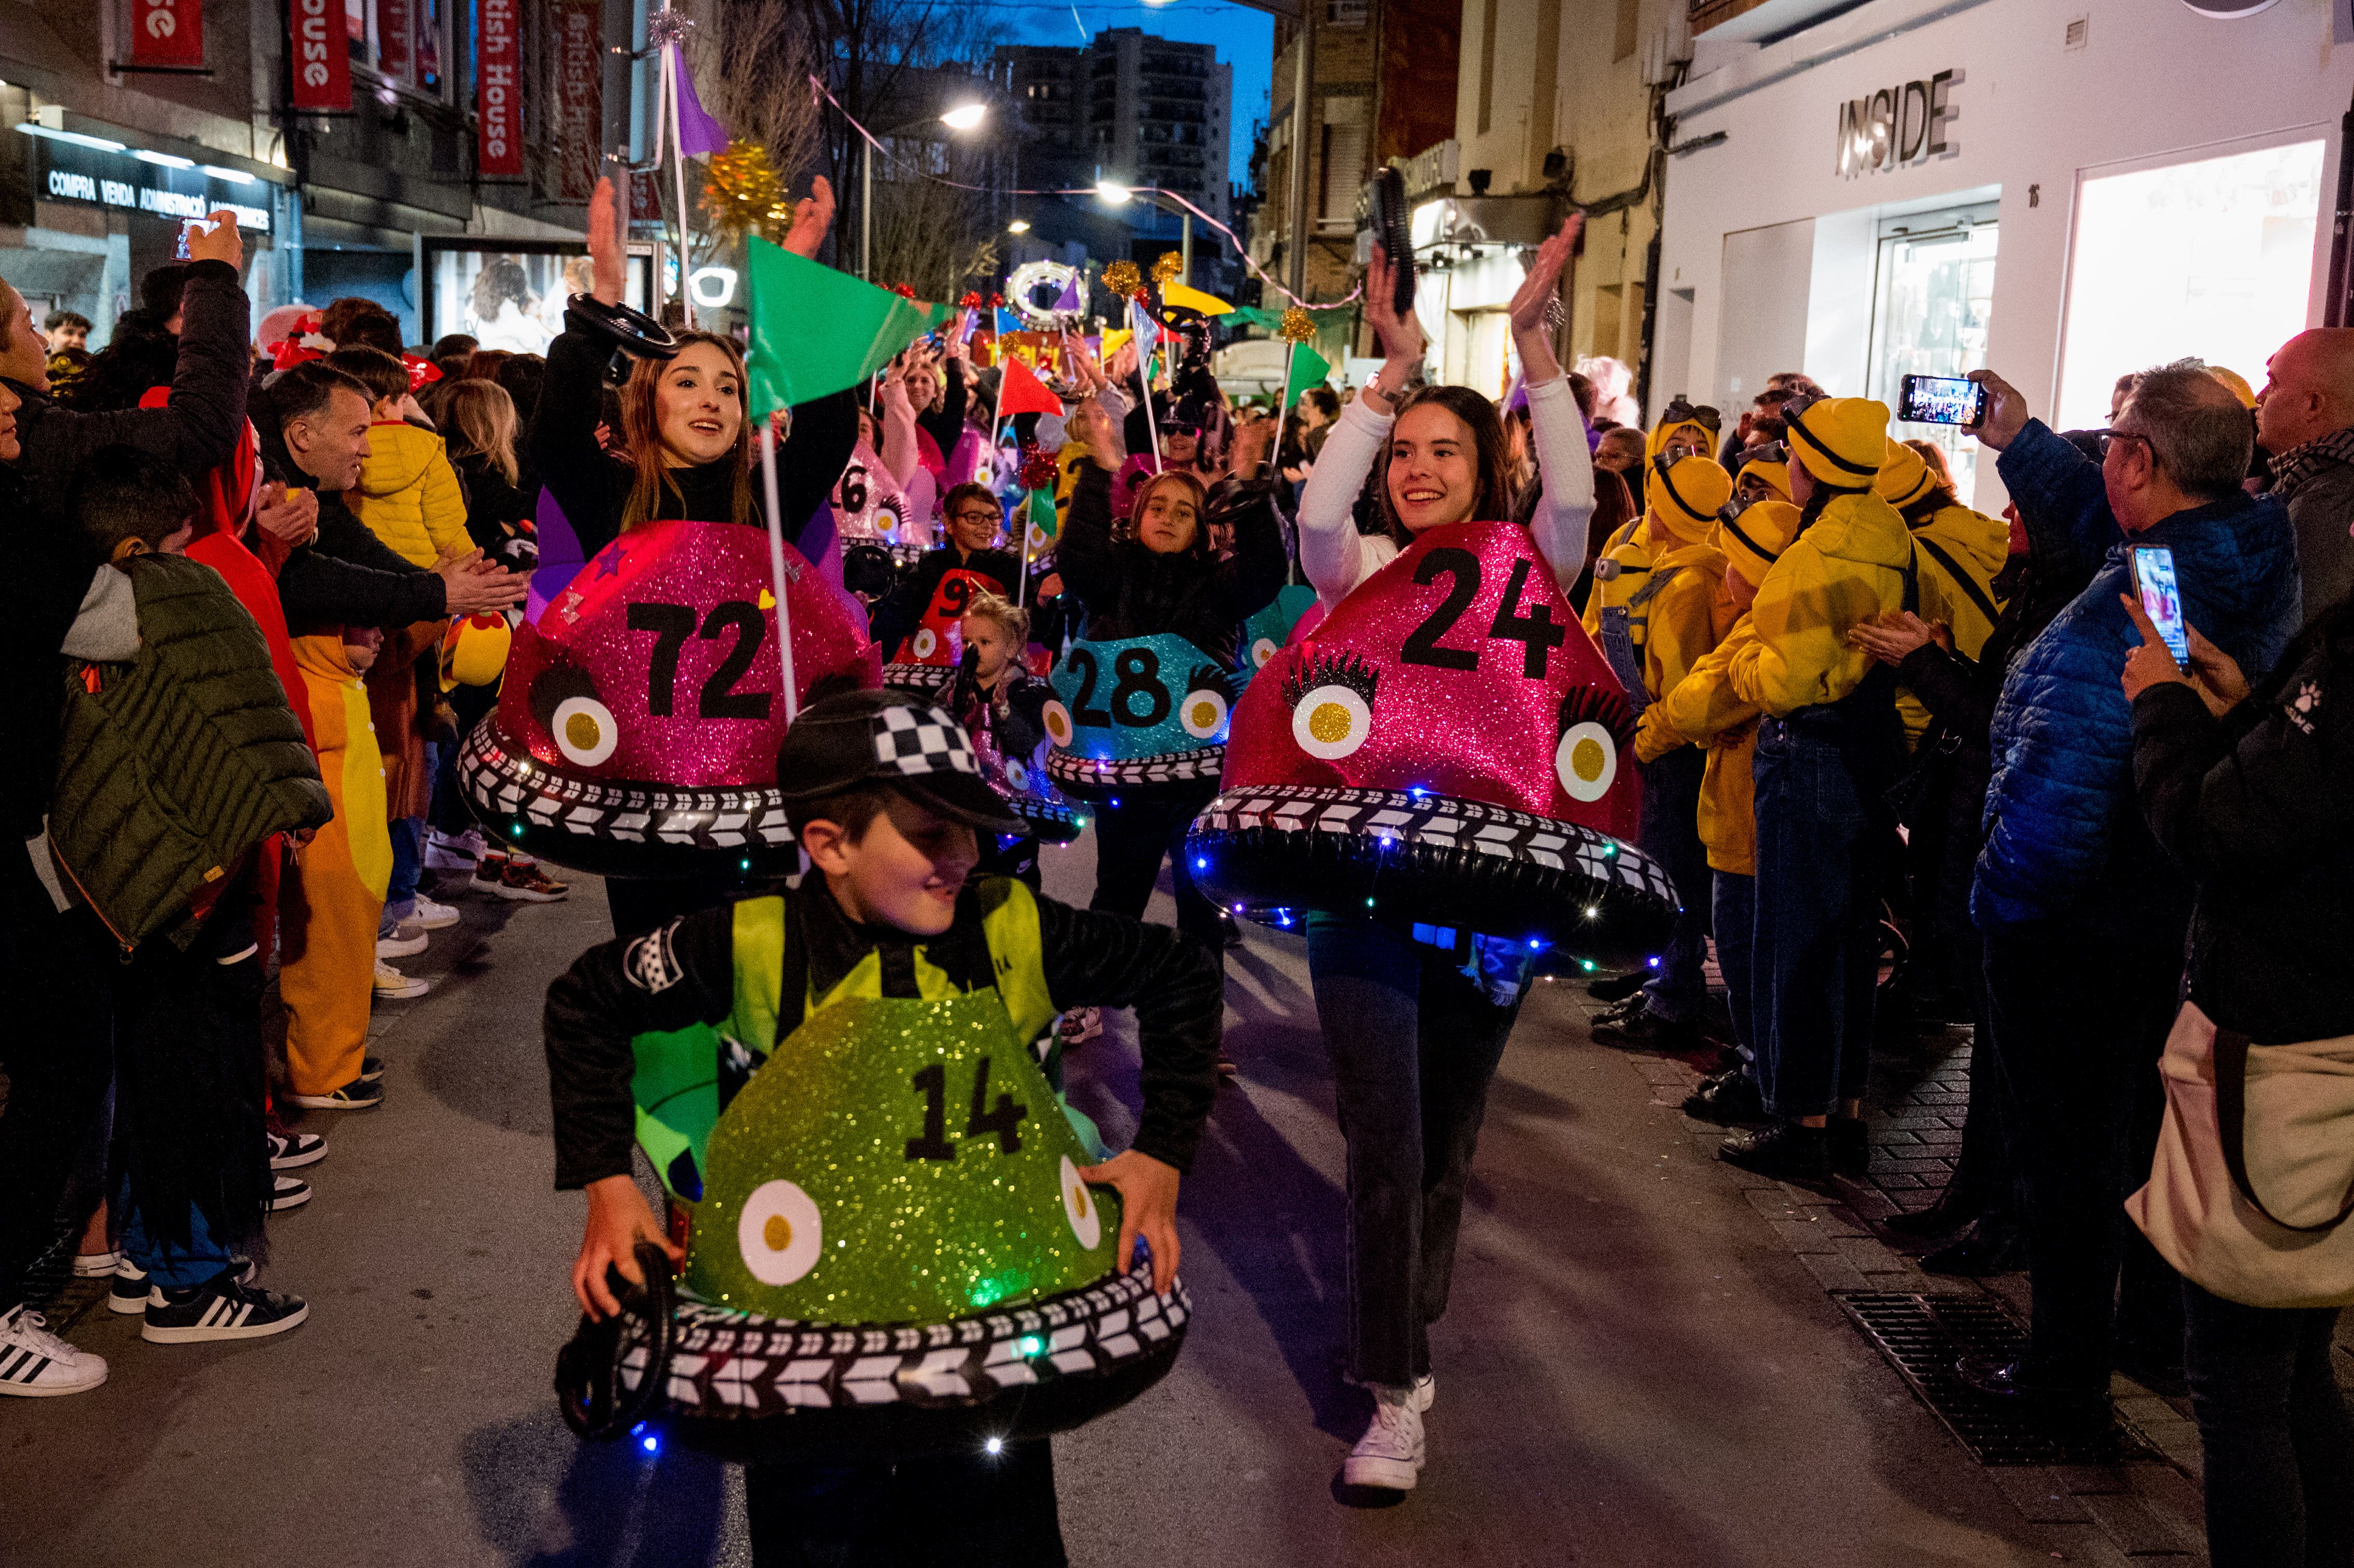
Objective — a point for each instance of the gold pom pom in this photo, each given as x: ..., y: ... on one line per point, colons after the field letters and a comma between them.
x: 1298, y: 326
x: 1170, y: 265
x: 744, y: 195
x: 1121, y: 278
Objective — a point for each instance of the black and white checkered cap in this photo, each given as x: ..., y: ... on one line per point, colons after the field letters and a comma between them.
x: 891, y: 738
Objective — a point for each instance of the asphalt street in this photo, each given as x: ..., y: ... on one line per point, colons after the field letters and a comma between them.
x: 1634, y: 1369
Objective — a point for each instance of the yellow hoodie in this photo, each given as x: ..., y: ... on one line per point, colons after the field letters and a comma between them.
x: 409, y: 494
x: 1980, y: 546
x: 1845, y: 568
x: 1631, y: 549
x: 1702, y: 710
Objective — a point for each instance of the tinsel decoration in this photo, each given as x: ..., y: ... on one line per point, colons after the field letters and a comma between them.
x: 904, y: 290
x: 668, y: 26
x: 1298, y: 326
x: 971, y: 301
x: 1037, y: 466
x: 744, y: 196
x: 1121, y: 278
x: 1169, y: 267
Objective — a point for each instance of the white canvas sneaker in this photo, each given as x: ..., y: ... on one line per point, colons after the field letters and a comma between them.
x: 1391, y: 1454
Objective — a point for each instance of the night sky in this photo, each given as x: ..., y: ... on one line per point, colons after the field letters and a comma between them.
x: 1245, y: 38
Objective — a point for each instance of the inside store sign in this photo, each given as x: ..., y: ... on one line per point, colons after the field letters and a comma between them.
x: 1896, y: 126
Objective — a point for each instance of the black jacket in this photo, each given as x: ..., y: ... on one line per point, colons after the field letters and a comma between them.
x: 493, y: 504
x: 197, y: 431
x: 593, y: 486
x: 48, y: 575
x: 2258, y: 807
x: 1129, y: 591
x: 897, y: 613
x: 1960, y: 695
x: 1092, y: 959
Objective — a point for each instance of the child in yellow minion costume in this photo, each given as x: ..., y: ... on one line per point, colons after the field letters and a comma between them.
x: 1828, y: 747
x: 1956, y: 554
x: 1652, y: 639
x: 1625, y: 559
x: 335, y: 897
x: 1701, y: 709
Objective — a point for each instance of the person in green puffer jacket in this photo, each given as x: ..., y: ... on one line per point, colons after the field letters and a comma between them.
x: 179, y: 760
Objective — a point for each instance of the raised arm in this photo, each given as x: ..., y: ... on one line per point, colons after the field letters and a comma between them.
x: 1564, y: 461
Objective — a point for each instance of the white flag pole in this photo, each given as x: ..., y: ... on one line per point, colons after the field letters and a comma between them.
x: 1144, y: 380
x: 678, y: 168
x: 777, y: 564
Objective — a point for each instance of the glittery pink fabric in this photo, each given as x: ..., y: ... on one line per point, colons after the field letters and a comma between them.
x: 1490, y: 732
x: 702, y: 591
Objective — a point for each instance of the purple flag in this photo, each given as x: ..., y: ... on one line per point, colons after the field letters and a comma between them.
x: 698, y: 133
x: 1069, y: 300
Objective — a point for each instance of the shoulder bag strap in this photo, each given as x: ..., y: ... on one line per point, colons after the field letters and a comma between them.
x: 2231, y: 1123
x: 1964, y: 580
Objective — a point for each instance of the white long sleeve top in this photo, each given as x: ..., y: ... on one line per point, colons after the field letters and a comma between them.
x: 1337, y: 557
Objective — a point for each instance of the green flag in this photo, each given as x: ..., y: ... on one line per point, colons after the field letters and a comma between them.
x: 1307, y: 369
x: 816, y: 331
x: 1042, y: 511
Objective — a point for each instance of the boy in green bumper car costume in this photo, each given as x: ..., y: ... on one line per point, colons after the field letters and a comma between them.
x: 888, y: 802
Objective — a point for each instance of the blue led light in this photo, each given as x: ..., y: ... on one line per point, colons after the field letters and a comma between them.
x: 1418, y: 792
x: 1653, y: 962
x: 650, y: 1443
x: 1201, y: 863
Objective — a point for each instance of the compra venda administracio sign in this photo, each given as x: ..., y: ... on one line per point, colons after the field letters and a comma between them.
x: 1900, y: 125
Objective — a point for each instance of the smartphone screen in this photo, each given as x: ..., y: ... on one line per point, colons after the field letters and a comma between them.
x: 1939, y: 400
x: 2161, y: 598
x: 180, y: 251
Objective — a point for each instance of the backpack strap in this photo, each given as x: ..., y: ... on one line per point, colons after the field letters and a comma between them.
x: 1962, y: 579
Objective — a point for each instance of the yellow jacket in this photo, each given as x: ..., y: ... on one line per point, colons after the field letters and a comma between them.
x: 1704, y: 711
x: 1684, y: 618
x: 1631, y: 549
x: 409, y: 495
x: 1845, y: 568
x: 1979, y: 546
x: 349, y: 762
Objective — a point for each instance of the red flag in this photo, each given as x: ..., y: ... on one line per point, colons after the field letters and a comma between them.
x: 498, y: 91
x: 322, y: 60
x: 169, y: 33
x: 1022, y: 393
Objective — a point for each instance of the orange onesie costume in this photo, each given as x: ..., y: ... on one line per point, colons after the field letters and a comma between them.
x: 334, y: 897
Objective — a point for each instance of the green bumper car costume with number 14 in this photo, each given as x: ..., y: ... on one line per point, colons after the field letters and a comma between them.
x: 890, y: 1251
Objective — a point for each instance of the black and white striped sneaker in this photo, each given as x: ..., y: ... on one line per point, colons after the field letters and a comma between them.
x: 131, y: 1291
x: 287, y: 1193
x: 220, y: 1309
x: 36, y: 1363
x: 289, y: 1148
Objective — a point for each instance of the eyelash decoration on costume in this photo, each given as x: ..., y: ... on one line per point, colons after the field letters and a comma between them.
x: 1210, y: 678
x: 1343, y: 669
x: 1595, y: 705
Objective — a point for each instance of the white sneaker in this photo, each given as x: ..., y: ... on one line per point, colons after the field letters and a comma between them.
x: 1425, y: 1391
x: 287, y: 1193
x: 390, y: 983
x: 407, y: 941
x: 95, y: 1265
x: 1390, y: 1454
x: 434, y: 917
x: 37, y: 1364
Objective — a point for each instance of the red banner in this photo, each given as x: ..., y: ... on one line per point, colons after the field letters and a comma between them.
x: 322, y: 59
x: 168, y: 33
x: 498, y: 91
x: 580, y: 96
x: 392, y: 39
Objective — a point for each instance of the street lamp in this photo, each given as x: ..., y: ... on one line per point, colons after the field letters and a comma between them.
x: 1019, y: 225
x: 1112, y: 193
x: 961, y: 118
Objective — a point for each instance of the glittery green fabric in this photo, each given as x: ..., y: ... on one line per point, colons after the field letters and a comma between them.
x: 873, y: 1172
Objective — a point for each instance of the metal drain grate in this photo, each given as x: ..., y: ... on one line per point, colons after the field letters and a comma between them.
x: 1924, y: 1336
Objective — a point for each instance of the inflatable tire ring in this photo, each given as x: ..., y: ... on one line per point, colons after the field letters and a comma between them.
x: 929, y: 681
x: 1096, y: 779
x: 1050, y: 822
x: 1435, y: 860
x: 638, y: 830
x: 743, y: 1387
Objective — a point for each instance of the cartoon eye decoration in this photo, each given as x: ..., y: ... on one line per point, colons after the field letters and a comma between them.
x: 1595, y: 725
x: 779, y: 1232
x: 1332, y: 699
x: 585, y: 730
x: 1038, y: 539
x: 1016, y: 774
x: 926, y: 640
x: 1079, y: 1207
x: 1207, y: 700
x: 1057, y: 720
x: 1262, y: 651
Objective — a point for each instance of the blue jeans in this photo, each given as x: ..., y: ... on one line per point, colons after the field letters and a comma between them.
x: 407, y: 865
x: 1671, y: 835
x: 1736, y: 937
x: 2278, y: 1444
x: 1822, y: 846
x: 169, y: 1264
x: 1414, y: 1043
